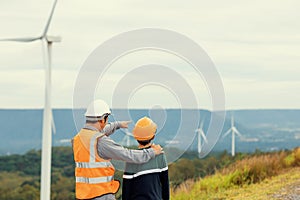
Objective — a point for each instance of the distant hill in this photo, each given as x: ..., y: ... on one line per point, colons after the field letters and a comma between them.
x: 274, y: 129
x: 266, y: 130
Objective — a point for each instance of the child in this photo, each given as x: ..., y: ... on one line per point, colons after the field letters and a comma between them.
x: 149, y: 180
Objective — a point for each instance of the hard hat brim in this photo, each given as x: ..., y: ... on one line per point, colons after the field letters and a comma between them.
x: 96, y: 118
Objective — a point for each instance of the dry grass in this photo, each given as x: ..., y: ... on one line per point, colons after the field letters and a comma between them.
x: 237, y: 179
x: 257, y: 168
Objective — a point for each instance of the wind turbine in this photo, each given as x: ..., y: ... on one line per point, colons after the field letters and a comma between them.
x: 126, y: 139
x: 200, y: 134
x: 48, y: 123
x: 233, y: 130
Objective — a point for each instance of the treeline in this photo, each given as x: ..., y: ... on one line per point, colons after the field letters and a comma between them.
x: 20, y: 174
x: 29, y: 163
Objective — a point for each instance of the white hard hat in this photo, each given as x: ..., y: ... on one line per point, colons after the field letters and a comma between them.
x: 97, y: 110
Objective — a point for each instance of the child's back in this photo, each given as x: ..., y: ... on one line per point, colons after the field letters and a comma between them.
x: 148, y: 180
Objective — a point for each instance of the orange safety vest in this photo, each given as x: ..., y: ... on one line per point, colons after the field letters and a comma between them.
x: 94, y: 175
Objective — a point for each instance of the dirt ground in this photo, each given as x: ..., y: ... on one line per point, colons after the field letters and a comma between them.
x: 289, y: 192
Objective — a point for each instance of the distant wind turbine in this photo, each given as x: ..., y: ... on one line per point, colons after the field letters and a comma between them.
x: 126, y: 139
x: 233, y: 130
x: 200, y: 134
x: 48, y: 123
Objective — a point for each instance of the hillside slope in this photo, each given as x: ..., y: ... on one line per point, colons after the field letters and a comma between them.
x: 285, y: 186
x: 266, y: 176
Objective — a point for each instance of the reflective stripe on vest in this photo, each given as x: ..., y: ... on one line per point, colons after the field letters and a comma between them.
x: 94, y: 180
x: 92, y: 147
x: 92, y: 164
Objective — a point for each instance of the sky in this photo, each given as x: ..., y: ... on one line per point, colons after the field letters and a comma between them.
x: 254, y: 45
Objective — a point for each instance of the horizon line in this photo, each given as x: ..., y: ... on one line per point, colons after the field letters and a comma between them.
x: 144, y: 108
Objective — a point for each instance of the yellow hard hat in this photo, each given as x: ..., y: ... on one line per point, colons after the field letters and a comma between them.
x: 144, y: 129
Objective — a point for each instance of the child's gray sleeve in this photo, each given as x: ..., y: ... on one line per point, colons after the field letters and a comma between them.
x: 108, y: 149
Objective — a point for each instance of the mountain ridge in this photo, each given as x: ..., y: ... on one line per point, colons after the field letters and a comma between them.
x: 275, y: 128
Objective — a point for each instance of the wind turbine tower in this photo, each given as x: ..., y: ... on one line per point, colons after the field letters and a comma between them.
x: 233, y: 130
x: 200, y: 135
x: 48, y: 123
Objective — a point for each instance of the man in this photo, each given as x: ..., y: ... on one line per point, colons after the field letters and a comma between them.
x: 148, y: 181
x: 93, y: 149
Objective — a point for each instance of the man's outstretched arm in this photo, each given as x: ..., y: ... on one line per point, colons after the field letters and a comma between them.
x: 108, y: 149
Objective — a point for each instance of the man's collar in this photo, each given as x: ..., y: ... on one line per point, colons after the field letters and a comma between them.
x: 89, y: 127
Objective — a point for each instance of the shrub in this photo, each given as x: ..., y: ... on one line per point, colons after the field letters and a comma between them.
x: 255, y: 169
x: 293, y: 159
x: 241, y: 177
x: 297, y: 156
x: 289, y: 160
x: 180, y: 171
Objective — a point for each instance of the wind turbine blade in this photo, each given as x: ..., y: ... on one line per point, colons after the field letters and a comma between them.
x: 227, y: 132
x: 203, y: 136
x: 127, y: 132
x: 52, y: 123
x: 123, y: 140
x: 49, y: 19
x: 201, y: 124
x: 199, y: 143
x: 237, y: 132
x: 128, y: 140
x: 25, y: 39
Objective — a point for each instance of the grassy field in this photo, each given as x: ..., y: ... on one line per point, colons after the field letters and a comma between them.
x: 272, y: 176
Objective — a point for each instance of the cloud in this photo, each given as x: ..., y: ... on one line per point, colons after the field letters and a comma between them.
x: 254, y: 45
x: 25, y: 88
